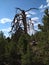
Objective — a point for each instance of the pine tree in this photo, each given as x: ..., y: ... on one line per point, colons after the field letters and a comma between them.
x: 45, y: 20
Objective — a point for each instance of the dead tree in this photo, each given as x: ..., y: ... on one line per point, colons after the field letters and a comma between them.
x: 20, y: 20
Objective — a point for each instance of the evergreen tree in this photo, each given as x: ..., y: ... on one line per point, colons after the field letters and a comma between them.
x: 45, y: 20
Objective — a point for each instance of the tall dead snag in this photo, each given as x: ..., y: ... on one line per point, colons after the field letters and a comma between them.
x: 21, y: 21
x: 24, y: 21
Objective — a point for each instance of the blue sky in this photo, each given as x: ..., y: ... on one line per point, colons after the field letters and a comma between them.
x: 8, y: 11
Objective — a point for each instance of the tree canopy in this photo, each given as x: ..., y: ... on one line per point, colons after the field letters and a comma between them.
x: 23, y: 49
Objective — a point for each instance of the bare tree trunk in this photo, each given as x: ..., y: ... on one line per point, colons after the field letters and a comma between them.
x: 24, y: 21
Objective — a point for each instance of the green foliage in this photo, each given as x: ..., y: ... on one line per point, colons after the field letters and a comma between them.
x: 17, y: 50
x: 23, y: 42
x: 45, y: 20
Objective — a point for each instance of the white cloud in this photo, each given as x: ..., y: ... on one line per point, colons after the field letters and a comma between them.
x: 6, y: 30
x: 47, y: 2
x: 44, y: 6
x: 31, y: 12
x: 28, y: 14
x: 35, y: 18
x: 5, y: 20
x: 41, y: 6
